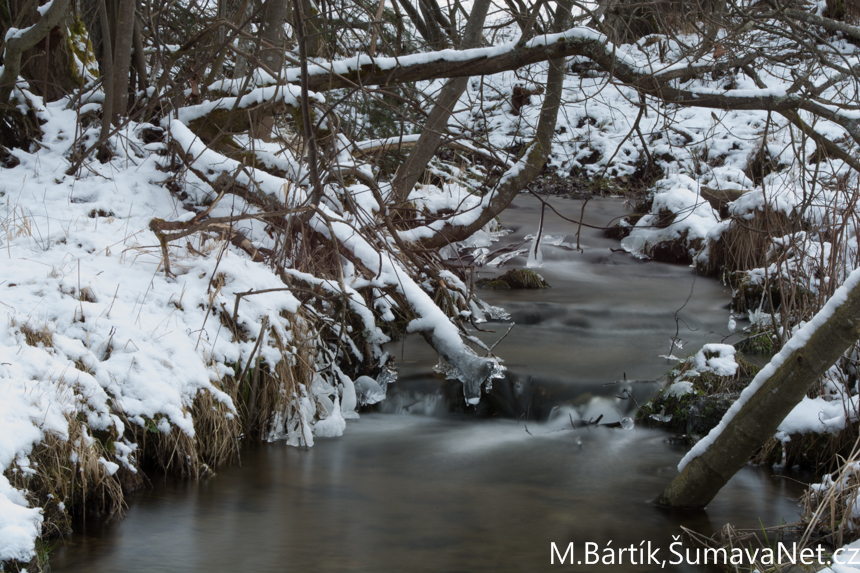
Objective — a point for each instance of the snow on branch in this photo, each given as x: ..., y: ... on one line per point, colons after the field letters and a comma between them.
x: 19, y: 41
x: 796, y: 343
x: 386, y: 271
x: 436, y: 327
x: 628, y: 64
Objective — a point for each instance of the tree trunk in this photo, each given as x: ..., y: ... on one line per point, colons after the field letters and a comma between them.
x: 25, y: 52
x: 437, y: 122
x: 241, y: 11
x: 313, y: 24
x: 438, y: 39
x: 531, y: 161
x: 47, y: 64
x: 114, y: 34
x: 417, y: 20
x: 776, y: 390
x: 107, y: 83
x: 138, y: 57
x: 122, y: 57
x: 272, y: 56
x: 272, y: 35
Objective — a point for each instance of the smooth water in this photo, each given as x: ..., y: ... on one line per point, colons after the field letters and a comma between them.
x: 607, y: 316
x: 442, y: 491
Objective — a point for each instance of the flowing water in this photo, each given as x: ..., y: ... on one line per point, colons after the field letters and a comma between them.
x: 423, y: 486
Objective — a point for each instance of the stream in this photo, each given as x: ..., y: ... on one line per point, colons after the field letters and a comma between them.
x: 423, y: 485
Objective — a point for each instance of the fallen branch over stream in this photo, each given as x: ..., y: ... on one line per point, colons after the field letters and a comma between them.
x: 765, y: 403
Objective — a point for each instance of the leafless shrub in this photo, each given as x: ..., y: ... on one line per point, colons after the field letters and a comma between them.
x: 830, y: 508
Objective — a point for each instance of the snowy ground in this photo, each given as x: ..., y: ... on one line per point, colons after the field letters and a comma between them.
x: 116, y: 339
x: 95, y: 330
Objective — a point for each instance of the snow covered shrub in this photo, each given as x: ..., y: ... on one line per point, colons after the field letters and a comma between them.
x: 699, y: 391
x: 823, y: 427
x: 676, y: 228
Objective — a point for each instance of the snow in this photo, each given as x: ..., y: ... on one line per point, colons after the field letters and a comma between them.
x: 388, y: 141
x: 819, y: 415
x: 717, y: 358
x: 13, y: 33
x: 332, y: 426
x: 20, y: 525
x: 111, y: 467
x: 84, y: 269
x: 289, y: 95
x: 848, y: 557
x: 679, y: 389
x: 692, y: 217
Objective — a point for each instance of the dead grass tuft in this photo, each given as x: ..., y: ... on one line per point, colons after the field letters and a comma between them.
x: 278, y: 400
x: 67, y: 477
x: 87, y: 295
x: 810, y: 451
x: 43, y: 338
x: 217, y: 430
x: 744, y: 245
x: 173, y: 452
x: 830, y: 507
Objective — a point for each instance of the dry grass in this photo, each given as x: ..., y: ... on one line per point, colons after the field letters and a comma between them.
x: 87, y: 294
x: 829, y: 508
x: 277, y: 400
x: 173, y: 452
x: 43, y: 338
x: 744, y: 245
x: 66, y: 478
x: 217, y: 430
x: 263, y: 394
x: 450, y: 299
x: 811, y: 451
x: 16, y: 224
x: 748, y: 543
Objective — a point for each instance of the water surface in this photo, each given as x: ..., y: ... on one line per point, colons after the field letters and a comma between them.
x: 406, y: 493
x: 416, y: 487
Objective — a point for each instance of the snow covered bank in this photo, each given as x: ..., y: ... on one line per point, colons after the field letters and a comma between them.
x: 95, y: 335
x: 795, y: 343
x: 108, y: 361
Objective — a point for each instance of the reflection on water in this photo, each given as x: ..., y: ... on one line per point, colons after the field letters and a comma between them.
x: 403, y: 493
x: 458, y: 493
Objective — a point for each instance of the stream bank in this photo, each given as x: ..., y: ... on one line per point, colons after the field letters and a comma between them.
x: 424, y: 484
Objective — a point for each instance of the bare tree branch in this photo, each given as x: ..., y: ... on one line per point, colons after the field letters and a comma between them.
x: 19, y: 41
